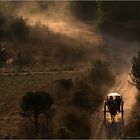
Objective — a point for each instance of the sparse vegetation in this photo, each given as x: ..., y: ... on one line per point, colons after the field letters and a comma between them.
x: 43, y: 45
x: 82, y: 99
x: 90, y: 90
x: 19, y: 29
x: 133, y: 127
x: 78, y: 124
x: 135, y: 71
x: 101, y: 74
x: 134, y: 130
x: 33, y: 104
x: 66, y: 83
x: 78, y: 102
x: 36, y: 47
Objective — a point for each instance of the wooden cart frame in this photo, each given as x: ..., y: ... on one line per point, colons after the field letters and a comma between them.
x: 106, y: 107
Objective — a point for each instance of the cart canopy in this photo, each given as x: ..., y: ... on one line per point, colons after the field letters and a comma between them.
x: 113, y: 94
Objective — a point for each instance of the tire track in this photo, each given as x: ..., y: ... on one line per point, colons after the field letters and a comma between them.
x: 41, y: 72
x: 117, y: 129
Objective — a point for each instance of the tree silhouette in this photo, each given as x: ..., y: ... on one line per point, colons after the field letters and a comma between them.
x: 135, y: 71
x: 101, y: 74
x: 33, y: 104
x: 19, y: 29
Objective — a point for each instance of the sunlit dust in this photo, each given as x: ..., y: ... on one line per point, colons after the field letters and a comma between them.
x: 60, y: 20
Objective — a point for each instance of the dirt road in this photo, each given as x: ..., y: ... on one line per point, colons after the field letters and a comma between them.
x: 42, y: 72
x: 119, y: 52
x: 102, y: 128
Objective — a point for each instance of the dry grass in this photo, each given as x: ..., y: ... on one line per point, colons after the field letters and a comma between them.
x: 133, y: 127
x: 12, y: 88
x: 46, y: 48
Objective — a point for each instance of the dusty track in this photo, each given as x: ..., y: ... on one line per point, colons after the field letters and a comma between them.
x: 118, y: 51
x: 107, y: 129
x: 41, y: 72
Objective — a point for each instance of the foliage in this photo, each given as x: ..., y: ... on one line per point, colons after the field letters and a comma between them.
x: 82, y: 99
x: 3, y: 24
x: 66, y: 83
x: 23, y: 59
x: 13, y: 28
x: 84, y: 10
x: 64, y: 133
x: 89, y: 91
x: 135, y: 71
x: 106, y: 12
x: 3, y: 56
x: 19, y: 29
x: 43, y: 4
x: 101, y: 74
x: 138, y: 98
x: 117, y: 11
x: 78, y: 124
x: 35, y: 103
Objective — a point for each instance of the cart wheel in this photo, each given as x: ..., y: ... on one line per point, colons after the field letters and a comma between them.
x: 122, y: 114
x: 104, y: 110
x: 104, y: 114
x: 122, y: 111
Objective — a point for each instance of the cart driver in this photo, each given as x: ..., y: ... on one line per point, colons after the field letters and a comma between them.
x: 110, y: 102
x: 118, y: 101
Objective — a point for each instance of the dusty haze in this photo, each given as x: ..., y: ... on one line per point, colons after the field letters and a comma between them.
x: 59, y: 18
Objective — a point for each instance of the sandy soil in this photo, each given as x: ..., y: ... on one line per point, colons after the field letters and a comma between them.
x: 119, y: 52
x: 105, y: 128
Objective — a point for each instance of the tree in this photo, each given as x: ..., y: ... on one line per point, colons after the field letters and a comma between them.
x: 3, y: 28
x: 135, y: 71
x: 19, y: 29
x: 23, y: 59
x: 77, y: 123
x: 101, y: 74
x: 84, y: 10
x: 33, y: 104
x: 82, y: 99
x: 112, y: 12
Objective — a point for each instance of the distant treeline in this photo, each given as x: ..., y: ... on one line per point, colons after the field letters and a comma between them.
x: 108, y: 11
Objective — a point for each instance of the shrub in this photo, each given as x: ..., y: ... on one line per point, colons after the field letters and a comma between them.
x: 82, y: 99
x: 3, y: 30
x: 101, y: 74
x: 35, y: 103
x: 19, y: 29
x: 135, y: 71
x: 23, y: 59
x: 66, y: 83
x: 64, y: 133
x: 78, y: 124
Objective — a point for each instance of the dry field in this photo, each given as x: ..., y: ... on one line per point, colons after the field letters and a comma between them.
x: 12, y: 88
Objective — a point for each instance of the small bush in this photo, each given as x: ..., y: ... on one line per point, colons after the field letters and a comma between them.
x: 3, y: 28
x: 33, y: 104
x: 82, y: 99
x: 19, y: 29
x: 138, y: 99
x: 66, y: 83
x: 78, y: 124
x: 23, y: 59
x: 64, y: 133
x: 101, y: 74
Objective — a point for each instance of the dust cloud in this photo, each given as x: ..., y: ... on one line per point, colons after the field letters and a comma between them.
x: 121, y: 52
x: 59, y: 18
